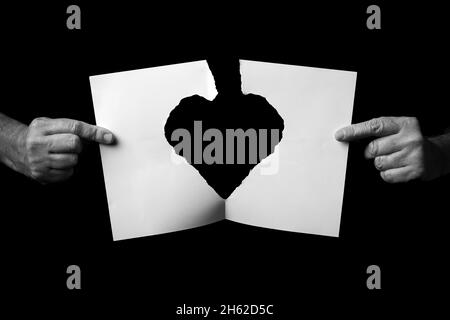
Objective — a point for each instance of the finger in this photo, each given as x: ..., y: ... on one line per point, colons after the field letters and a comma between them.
x: 63, y: 160
x: 81, y: 129
x: 378, y: 127
x: 396, y: 175
x: 65, y: 143
x: 390, y: 161
x: 382, y: 146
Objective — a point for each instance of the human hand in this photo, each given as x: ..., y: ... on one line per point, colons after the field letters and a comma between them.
x: 401, y: 153
x: 49, y: 148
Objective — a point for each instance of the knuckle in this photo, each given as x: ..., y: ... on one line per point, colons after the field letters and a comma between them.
x: 77, y: 141
x: 418, y: 140
x: 411, y: 126
x: 75, y: 127
x: 376, y: 125
x: 36, y: 165
x: 402, y: 161
x: 349, y: 132
x: 33, y: 162
x: 74, y: 142
x: 32, y: 143
x: 418, y: 137
x: 36, y: 122
x: 372, y: 149
x: 411, y: 121
x: 37, y: 174
x: 415, y: 142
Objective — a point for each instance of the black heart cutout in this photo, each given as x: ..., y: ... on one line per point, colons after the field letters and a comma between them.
x: 231, y: 109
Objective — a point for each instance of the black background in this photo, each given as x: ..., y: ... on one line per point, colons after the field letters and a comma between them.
x: 402, y: 70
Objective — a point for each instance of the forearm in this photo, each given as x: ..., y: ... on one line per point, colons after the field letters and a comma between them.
x: 442, y: 143
x: 11, y: 139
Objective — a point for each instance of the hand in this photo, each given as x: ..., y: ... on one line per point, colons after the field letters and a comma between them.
x: 401, y: 153
x: 49, y: 148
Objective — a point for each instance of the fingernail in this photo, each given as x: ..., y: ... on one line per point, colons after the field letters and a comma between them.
x: 108, y: 137
x: 339, y: 135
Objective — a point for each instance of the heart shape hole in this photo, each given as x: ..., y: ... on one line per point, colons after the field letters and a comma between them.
x: 226, y: 138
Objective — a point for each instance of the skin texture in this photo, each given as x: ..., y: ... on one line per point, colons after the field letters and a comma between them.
x: 47, y: 150
x: 399, y: 151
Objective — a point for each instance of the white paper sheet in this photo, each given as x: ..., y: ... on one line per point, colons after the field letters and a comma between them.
x: 306, y: 192
x: 147, y: 192
x: 151, y: 190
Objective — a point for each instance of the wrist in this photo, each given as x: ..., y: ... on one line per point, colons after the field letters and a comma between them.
x: 15, y: 155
